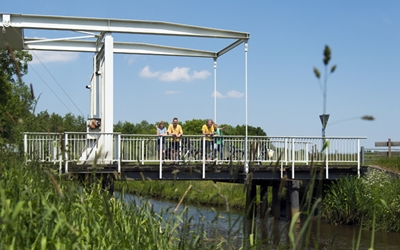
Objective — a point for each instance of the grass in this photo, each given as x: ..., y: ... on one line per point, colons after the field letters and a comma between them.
x: 40, y: 210
x: 371, y: 202
x: 202, y: 192
x: 392, y: 163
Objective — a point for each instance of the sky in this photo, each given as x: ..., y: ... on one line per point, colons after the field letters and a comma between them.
x: 287, y: 39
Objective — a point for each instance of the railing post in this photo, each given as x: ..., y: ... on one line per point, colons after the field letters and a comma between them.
x: 286, y: 149
x: 306, y: 153
x: 204, y: 158
x: 118, y: 151
x: 326, y: 162
x: 293, y: 157
x: 142, y: 152
x: 160, y: 148
x: 26, y: 147
x: 60, y: 155
x: 66, y: 151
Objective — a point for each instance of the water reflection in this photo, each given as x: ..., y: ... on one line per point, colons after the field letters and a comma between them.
x: 268, y: 233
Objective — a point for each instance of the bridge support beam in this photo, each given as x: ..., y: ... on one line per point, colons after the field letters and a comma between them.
x: 251, y: 194
x: 292, y: 200
x: 264, y: 200
x: 276, y: 204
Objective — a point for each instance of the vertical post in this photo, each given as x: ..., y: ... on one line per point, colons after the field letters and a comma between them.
x: 143, y: 149
x: 108, y: 95
x: 65, y: 151
x: 160, y: 155
x: 250, y: 200
x: 276, y: 204
x: 326, y: 162
x: 306, y: 153
x: 389, y: 148
x: 293, y: 157
x: 118, y: 152
x: 294, y: 198
x: 204, y: 157
x: 362, y: 152
x: 26, y: 145
x: 286, y: 149
x: 215, y: 89
x: 246, y: 164
x: 288, y: 201
x: 264, y: 200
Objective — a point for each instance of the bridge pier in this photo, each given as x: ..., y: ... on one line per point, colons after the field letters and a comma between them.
x: 294, y: 199
x: 264, y: 200
x: 251, y: 194
x: 107, y: 181
x: 276, y: 203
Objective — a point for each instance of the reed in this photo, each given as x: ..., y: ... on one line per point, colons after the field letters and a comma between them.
x: 40, y: 210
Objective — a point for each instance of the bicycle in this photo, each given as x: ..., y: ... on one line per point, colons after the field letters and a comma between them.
x: 235, y: 154
x: 266, y: 154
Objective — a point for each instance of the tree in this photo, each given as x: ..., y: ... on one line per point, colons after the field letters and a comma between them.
x: 193, y: 127
x: 17, y: 100
x: 241, y: 130
x: 190, y: 127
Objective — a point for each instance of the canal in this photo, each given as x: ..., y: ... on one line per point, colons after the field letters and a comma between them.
x: 273, y: 233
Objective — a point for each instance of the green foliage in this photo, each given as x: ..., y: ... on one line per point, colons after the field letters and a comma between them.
x: 392, y: 163
x: 190, y: 127
x: 143, y: 128
x: 373, y: 197
x: 203, y: 192
x: 39, y: 210
x: 14, y: 63
x: 343, y: 201
x: 54, y: 123
x: 17, y: 100
x: 193, y: 127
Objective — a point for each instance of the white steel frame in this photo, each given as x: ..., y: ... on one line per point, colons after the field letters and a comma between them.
x: 130, y: 148
x: 97, y: 38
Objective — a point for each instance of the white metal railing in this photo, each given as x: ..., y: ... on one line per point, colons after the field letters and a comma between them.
x: 115, y: 148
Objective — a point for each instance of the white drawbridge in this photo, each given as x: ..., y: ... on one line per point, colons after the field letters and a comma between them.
x: 96, y: 36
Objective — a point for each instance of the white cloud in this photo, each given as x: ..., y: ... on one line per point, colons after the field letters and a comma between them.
x: 177, y: 74
x: 171, y: 92
x: 53, y: 56
x: 146, y: 73
x: 201, y: 75
x: 130, y: 59
x: 235, y: 94
x: 219, y: 95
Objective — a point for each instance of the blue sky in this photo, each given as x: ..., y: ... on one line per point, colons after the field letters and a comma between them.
x: 287, y: 39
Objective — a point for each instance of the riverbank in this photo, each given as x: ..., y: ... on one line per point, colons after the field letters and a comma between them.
x: 218, y: 194
x: 370, y: 202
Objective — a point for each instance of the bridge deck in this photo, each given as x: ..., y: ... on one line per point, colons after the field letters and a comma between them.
x: 216, y: 172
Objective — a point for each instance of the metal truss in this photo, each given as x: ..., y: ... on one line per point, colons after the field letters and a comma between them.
x: 14, y: 26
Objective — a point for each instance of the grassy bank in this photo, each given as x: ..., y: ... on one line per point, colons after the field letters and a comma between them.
x: 194, y: 192
x: 371, y: 202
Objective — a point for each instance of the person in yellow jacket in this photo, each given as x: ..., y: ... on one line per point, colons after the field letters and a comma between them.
x: 176, y: 132
x: 208, y: 132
